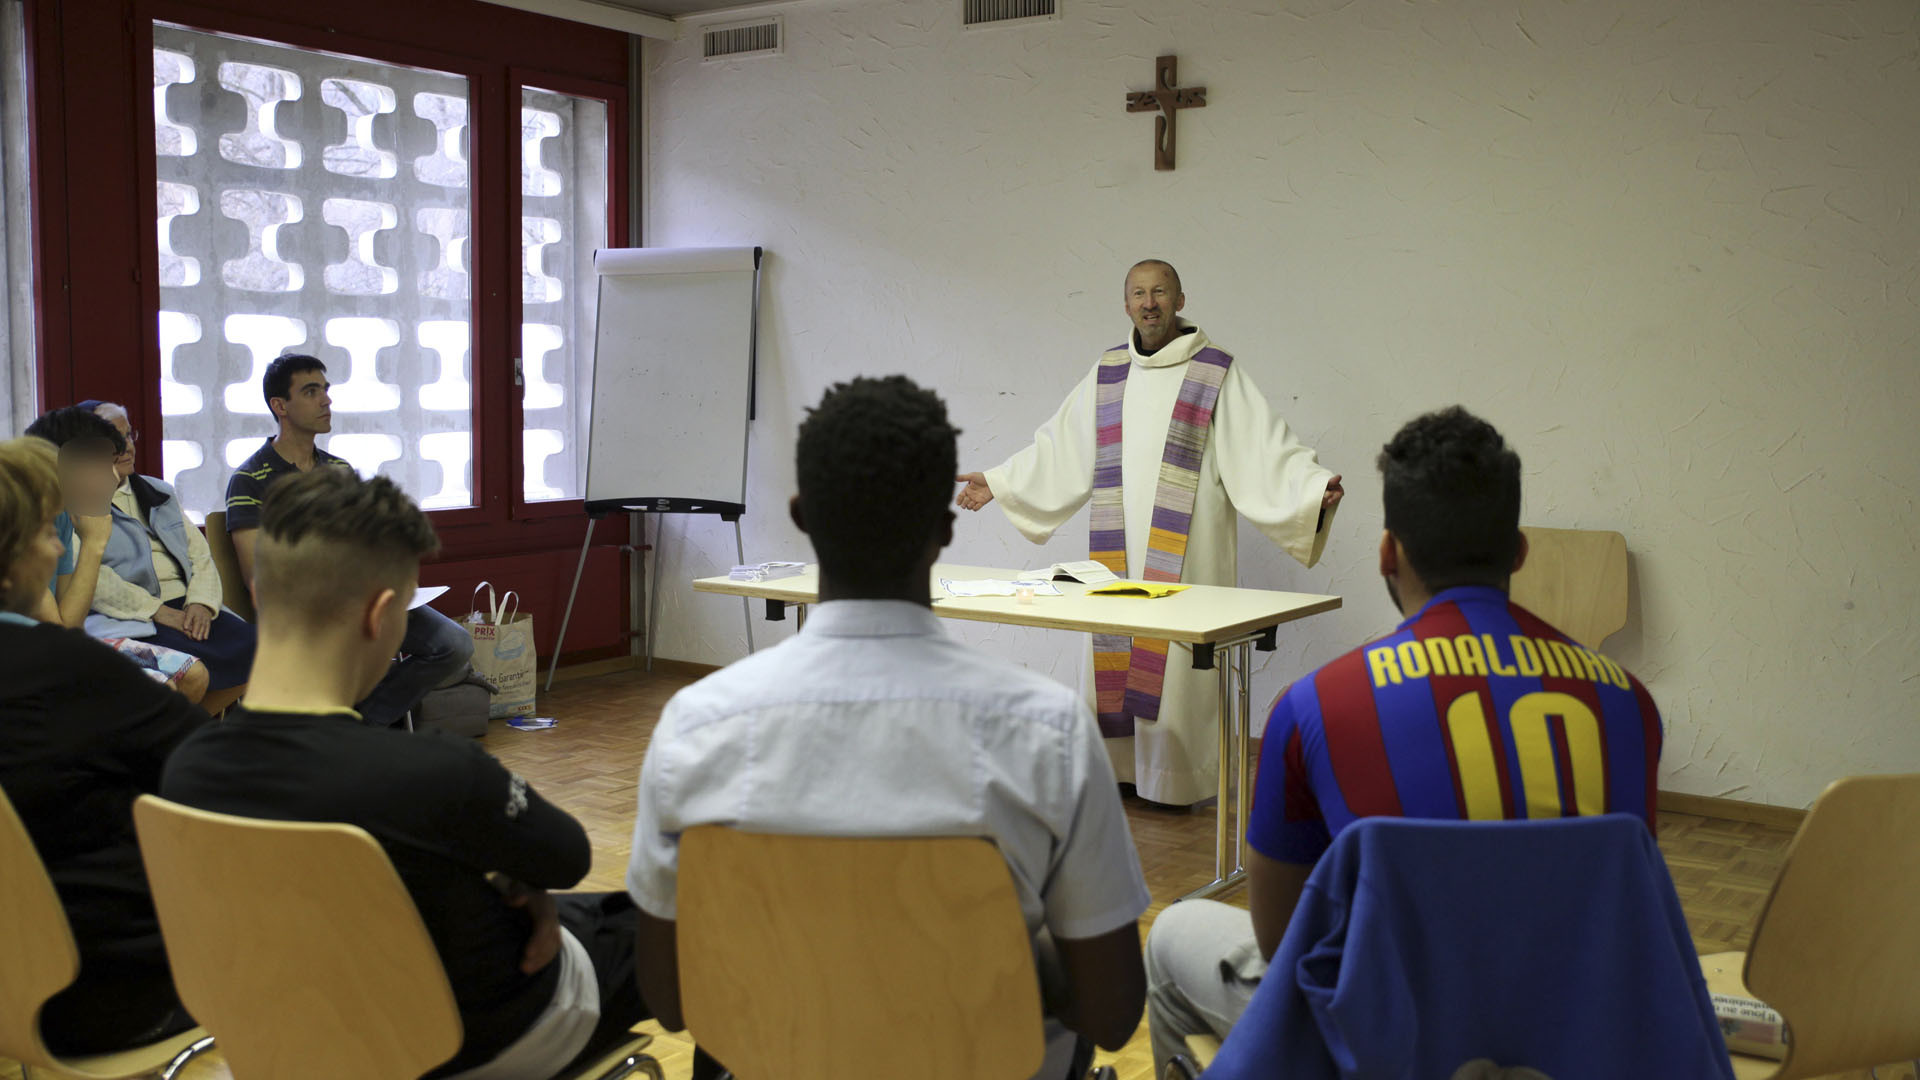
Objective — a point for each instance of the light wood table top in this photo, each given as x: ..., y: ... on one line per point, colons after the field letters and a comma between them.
x: 1202, y: 614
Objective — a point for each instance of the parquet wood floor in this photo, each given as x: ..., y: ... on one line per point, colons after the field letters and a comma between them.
x: 590, y: 762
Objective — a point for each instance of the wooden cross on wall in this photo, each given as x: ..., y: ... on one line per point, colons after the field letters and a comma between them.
x: 1166, y: 99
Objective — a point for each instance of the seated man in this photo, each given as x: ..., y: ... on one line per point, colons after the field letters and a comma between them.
x: 87, y: 447
x: 157, y: 579
x: 336, y: 562
x: 436, y: 648
x: 82, y: 734
x: 1421, y: 723
x: 871, y: 721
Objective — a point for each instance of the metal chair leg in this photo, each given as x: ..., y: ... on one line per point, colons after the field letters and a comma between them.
x: 193, y: 1050
x: 624, y: 1068
x: 1182, y: 1067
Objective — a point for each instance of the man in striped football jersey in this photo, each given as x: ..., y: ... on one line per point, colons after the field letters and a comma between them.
x: 1473, y: 708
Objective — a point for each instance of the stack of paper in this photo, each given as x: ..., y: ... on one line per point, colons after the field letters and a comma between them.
x: 766, y: 571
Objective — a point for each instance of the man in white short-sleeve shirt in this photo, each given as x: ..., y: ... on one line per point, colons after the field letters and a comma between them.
x: 871, y: 721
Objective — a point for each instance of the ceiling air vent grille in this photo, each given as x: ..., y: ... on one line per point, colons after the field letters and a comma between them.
x: 761, y: 37
x: 1002, y: 12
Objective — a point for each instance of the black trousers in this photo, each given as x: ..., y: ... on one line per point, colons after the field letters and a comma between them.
x: 605, y: 925
x: 115, y: 1004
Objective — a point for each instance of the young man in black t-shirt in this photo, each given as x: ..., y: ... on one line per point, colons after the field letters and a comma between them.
x: 540, y: 980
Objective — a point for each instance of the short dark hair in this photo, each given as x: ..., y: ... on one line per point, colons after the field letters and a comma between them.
x: 75, y: 424
x: 875, y: 463
x: 278, y: 382
x: 1452, y: 491
x: 326, y: 536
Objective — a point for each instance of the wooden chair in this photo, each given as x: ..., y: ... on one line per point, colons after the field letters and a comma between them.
x: 820, y: 958
x: 297, y: 943
x: 1575, y: 579
x: 233, y: 584
x: 1836, y: 950
x: 41, y: 959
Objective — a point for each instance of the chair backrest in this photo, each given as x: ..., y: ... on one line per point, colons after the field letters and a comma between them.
x: 40, y: 957
x: 1575, y: 579
x: 1837, y: 947
x: 233, y: 584
x: 296, y: 945
x: 810, y: 958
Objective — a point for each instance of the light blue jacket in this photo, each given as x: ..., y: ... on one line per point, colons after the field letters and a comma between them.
x: 129, y: 552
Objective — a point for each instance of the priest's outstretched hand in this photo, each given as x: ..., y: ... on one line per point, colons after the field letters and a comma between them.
x: 1327, y: 502
x: 976, y: 494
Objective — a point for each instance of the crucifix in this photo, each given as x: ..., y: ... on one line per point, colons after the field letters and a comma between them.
x: 1166, y: 99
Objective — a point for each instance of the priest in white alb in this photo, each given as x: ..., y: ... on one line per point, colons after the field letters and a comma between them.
x: 1168, y: 436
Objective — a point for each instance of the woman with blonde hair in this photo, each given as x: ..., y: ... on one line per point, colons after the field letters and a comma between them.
x: 83, y: 732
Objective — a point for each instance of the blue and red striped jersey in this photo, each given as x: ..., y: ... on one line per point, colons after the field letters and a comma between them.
x: 1472, y: 709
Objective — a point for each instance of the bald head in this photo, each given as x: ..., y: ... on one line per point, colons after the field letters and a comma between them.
x: 1153, y: 302
x: 1160, y: 264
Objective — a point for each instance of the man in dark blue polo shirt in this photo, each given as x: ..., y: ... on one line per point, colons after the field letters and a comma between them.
x: 435, y: 647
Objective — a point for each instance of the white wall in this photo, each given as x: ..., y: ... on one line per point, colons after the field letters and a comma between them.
x: 1669, y: 248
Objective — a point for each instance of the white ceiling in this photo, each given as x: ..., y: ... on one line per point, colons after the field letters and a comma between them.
x: 675, y: 8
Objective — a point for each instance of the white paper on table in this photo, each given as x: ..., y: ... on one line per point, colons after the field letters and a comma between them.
x: 766, y: 571
x: 995, y: 587
x: 427, y: 594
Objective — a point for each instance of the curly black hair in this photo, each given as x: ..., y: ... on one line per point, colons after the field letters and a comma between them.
x: 875, y: 463
x: 1452, y: 491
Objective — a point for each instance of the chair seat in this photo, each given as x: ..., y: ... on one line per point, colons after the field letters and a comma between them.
x: 139, y: 1061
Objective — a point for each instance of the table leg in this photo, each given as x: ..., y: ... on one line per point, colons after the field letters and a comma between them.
x: 1235, y: 667
x: 653, y: 595
x: 799, y: 617
x: 1243, y: 736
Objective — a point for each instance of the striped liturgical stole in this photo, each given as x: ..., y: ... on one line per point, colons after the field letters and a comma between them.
x: 1128, y: 672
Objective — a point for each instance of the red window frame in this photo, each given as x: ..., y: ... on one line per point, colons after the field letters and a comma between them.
x: 90, y: 68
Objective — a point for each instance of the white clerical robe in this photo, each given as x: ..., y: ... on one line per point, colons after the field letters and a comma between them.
x: 1252, y: 464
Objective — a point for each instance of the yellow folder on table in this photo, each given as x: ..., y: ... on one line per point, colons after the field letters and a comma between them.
x: 1149, y: 589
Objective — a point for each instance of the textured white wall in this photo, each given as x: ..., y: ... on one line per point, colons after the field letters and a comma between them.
x: 1670, y: 248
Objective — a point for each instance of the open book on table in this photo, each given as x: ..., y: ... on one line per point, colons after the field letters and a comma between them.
x: 1086, y: 573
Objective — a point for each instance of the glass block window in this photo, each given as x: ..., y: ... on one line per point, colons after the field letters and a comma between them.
x: 309, y: 202
x: 563, y: 200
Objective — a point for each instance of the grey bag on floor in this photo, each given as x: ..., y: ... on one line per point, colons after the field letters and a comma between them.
x: 460, y: 709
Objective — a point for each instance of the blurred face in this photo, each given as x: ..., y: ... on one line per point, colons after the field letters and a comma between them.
x: 1152, y: 301
x: 122, y: 465
x: 27, y: 579
x: 87, y: 477
x: 308, y: 408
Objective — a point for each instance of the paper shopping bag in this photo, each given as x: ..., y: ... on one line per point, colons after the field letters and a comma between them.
x: 503, y: 651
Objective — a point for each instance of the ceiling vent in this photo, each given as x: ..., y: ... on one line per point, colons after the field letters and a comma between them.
x: 980, y: 13
x: 731, y: 41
